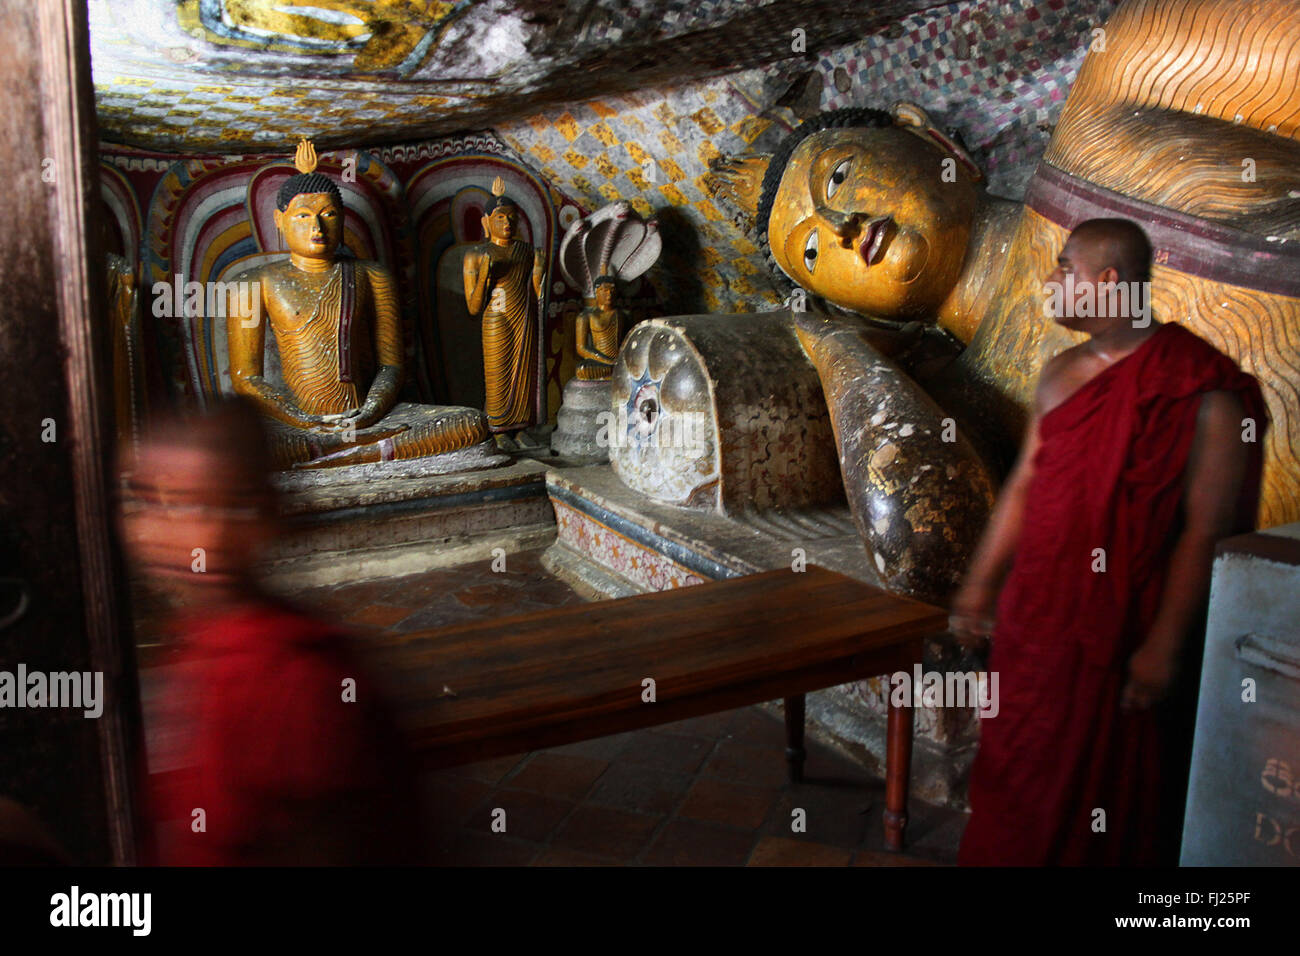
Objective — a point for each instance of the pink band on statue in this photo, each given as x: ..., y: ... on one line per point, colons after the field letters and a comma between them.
x: 386, y: 449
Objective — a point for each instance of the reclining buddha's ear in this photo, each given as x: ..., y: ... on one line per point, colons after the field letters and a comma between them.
x: 913, y: 118
x: 739, y: 180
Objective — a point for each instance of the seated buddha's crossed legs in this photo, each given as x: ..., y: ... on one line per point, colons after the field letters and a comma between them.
x: 408, y: 431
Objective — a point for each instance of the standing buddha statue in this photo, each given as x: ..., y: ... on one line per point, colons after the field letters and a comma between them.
x: 337, y: 326
x: 497, y: 288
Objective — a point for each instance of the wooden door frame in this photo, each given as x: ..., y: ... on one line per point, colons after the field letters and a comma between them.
x: 72, y: 143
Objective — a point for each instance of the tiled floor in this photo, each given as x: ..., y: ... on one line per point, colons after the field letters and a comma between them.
x: 707, y: 791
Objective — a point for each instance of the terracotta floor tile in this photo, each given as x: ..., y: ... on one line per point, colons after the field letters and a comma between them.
x: 757, y: 728
x: 448, y: 800
x: 688, y: 843
x: 718, y: 801
x: 558, y: 775
x: 489, y: 771
x: 670, y: 752
x: 601, y: 748
x: 633, y: 786
x: 607, y: 832
x: 846, y: 817
x: 528, y: 816
x: 710, y: 725
x: 742, y: 763
x: 826, y: 766
x: 781, y: 851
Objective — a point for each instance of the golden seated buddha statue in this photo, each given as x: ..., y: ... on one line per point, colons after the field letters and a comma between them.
x: 337, y: 326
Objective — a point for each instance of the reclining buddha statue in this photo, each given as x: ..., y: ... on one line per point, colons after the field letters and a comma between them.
x: 337, y: 326
x: 884, y: 219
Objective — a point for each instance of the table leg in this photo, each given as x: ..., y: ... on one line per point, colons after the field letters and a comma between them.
x: 898, y: 770
x: 794, y: 752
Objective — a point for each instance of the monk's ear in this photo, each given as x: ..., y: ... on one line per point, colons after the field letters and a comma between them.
x: 278, y: 216
x: 914, y: 119
x: 484, y: 222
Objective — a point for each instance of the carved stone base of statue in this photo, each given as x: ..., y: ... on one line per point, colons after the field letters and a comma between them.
x: 578, y: 422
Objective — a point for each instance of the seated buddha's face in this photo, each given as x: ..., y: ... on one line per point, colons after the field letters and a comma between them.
x: 312, y: 225
x: 873, y: 220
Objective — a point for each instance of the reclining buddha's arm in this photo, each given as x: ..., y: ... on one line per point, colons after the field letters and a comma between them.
x: 245, y: 340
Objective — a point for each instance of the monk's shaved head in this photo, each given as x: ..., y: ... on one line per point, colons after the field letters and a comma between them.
x: 1118, y: 244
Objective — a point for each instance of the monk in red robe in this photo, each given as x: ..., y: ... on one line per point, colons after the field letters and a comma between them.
x: 288, y: 754
x: 1142, y: 452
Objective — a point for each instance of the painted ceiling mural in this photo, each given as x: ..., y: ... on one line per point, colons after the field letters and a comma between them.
x: 240, y: 74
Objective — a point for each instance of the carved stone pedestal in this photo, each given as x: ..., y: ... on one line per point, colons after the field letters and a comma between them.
x: 578, y: 421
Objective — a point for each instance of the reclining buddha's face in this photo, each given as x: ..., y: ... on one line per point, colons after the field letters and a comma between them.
x: 875, y: 220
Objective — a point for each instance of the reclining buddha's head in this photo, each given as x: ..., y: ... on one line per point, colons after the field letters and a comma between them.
x: 869, y: 210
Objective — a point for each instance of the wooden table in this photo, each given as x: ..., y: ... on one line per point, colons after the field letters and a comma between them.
x: 490, y: 688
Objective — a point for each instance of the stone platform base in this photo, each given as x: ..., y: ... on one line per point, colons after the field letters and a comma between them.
x: 355, y: 524
x: 578, y: 422
x: 612, y: 542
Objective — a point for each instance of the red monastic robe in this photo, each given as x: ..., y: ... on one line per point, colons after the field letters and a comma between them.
x: 1109, y: 475
x: 284, y: 767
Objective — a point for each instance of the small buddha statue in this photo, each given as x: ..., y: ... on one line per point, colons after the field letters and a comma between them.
x: 598, y: 332
x: 498, y: 289
x: 337, y: 326
x: 611, y: 244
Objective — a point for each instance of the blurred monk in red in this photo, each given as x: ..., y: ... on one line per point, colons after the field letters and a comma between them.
x: 288, y: 751
x: 1142, y: 452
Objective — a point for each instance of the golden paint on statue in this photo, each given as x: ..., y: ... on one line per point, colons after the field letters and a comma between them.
x: 598, y: 332
x: 337, y: 327
x: 498, y: 288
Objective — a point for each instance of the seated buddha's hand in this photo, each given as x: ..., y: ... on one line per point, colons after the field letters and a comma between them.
x: 353, y: 419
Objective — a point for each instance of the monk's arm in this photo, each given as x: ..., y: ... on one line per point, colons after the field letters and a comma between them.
x: 245, y: 339
x: 997, y: 545
x: 1216, y: 468
x: 389, y: 348
x: 973, y: 605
